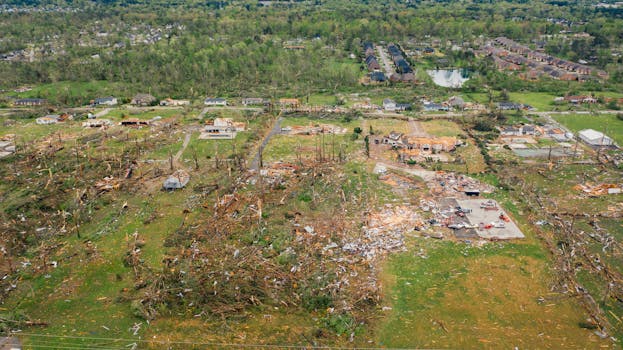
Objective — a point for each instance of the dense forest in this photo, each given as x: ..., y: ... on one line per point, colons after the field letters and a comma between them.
x: 231, y: 48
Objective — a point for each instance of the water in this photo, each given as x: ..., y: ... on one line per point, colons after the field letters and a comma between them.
x: 450, y: 78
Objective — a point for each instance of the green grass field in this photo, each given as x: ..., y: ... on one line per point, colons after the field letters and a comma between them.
x: 77, y: 93
x: 459, y: 296
x: 285, y: 147
x: 442, y: 128
x: 143, y: 114
x: 542, y: 101
x: 608, y: 124
x: 385, y: 126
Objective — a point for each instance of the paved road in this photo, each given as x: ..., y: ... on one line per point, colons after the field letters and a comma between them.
x: 203, y: 113
x: 103, y: 112
x: 234, y: 108
x: 255, y: 164
x: 387, y: 65
x: 382, y: 113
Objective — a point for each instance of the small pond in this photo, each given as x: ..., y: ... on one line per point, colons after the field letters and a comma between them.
x: 450, y: 78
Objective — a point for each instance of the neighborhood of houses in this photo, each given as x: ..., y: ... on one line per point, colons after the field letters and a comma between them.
x: 401, y: 71
x: 517, y: 137
x: 511, y: 56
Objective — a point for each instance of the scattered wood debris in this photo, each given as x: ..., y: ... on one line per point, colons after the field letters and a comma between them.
x: 599, y: 189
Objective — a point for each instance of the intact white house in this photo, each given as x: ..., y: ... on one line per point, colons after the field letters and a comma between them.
x: 105, y: 101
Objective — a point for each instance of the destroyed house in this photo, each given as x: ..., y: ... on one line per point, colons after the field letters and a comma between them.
x: 254, y: 101
x: 96, y: 123
x: 426, y: 144
x: 580, y: 99
x: 289, y: 102
x: 456, y: 101
x: 227, y: 123
x: 30, y: 102
x: 394, y: 138
x: 221, y: 128
x: 528, y: 130
x: 143, y: 100
x: 215, y: 102
x: 171, y: 102
x: 134, y: 122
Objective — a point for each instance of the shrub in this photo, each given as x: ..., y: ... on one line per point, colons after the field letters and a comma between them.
x: 483, y: 125
x: 340, y: 324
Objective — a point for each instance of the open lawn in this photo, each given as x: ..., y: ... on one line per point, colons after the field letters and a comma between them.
x: 348, y: 123
x: 477, y: 97
x: 385, y: 126
x: 542, y: 101
x: 76, y: 93
x: 606, y: 123
x: 142, y: 113
x: 26, y: 131
x: 456, y: 296
x: 284, y: 147
x: 442, y: 128
x: 294, y: 147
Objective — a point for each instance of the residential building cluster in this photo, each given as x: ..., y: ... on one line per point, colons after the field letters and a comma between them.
x: 509, y: 55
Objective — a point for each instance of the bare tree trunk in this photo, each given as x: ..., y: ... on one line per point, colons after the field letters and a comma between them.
x: 194, y: 153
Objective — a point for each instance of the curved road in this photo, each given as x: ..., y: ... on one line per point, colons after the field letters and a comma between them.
x: 255, y: 164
